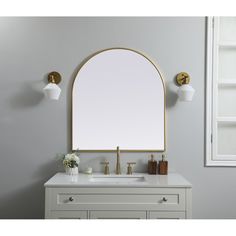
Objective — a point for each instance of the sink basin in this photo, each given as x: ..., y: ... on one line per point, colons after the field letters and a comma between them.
x: 117, y: 178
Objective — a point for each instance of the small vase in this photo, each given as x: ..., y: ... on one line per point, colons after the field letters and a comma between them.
x: 72, y: 171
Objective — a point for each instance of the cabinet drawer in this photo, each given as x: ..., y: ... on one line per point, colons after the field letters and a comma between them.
x: 117, y: 215
x: 74, y: 199
x: 166, y: 215
x: 68, y: 215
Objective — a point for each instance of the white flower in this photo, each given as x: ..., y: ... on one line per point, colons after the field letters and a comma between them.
x: 72, y: 157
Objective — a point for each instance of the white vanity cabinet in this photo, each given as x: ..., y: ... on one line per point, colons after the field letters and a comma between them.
x: 160, y: 197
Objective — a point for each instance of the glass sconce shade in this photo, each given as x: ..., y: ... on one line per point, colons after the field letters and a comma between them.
x: 186, y: 92
x: 52, y: 91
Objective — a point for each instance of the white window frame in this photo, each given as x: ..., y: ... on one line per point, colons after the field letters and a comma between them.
x: 212, y: 158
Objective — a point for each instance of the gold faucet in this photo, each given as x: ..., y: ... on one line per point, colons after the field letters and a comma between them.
x: 118, y: 170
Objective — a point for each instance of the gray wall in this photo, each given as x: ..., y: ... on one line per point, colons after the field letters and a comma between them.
x: 33, y: 131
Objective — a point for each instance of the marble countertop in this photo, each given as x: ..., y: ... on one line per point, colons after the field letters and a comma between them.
x: 84, y: 180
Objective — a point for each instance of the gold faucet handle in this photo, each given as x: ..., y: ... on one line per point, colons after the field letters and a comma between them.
x: 129, y: 168
x: 106, y: 169
x: 105, y: 163
x: 131, y: 163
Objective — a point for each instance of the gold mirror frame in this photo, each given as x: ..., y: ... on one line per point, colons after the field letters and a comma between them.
x: 164, y: 88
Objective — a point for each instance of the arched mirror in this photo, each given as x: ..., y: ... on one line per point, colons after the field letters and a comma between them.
x: 118, y: 99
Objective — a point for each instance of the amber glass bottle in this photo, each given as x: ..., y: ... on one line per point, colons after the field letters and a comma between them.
x: 163, y: 166
x: 152, y: 166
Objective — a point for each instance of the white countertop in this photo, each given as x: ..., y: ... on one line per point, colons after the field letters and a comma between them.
x: 84, y: 180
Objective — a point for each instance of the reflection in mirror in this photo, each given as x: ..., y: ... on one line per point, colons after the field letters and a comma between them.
x: 118, y: 99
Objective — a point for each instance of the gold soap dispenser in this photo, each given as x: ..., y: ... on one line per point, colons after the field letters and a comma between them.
x: 152, y: 166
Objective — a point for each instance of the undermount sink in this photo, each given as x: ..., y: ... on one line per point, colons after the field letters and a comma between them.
x: 117, y: 178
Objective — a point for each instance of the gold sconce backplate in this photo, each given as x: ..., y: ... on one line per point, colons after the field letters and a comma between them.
x: 182, y: 78
x: 54, y: 77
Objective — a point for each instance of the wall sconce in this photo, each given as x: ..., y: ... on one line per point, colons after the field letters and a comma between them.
x: 52, y: 90
x: 185, y: 91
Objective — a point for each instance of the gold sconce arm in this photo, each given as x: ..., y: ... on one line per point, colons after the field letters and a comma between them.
x: 182, y: 78
x: 54, y: 77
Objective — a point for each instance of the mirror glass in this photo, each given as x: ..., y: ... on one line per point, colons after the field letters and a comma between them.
x: 118, y: 99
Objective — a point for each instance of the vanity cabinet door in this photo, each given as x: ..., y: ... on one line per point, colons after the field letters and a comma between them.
x: 68, y: 215
x: 117, y: 215
x: 166, y: 215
